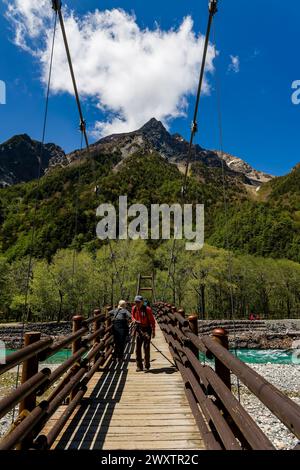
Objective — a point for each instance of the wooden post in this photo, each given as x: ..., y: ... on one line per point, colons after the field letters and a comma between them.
x: 193, y: 322
x: 108, y: 323
x: 30, y: 367
x: 77, y: 324
x: 181, y: 312
x: 220, y: 336
x: 97, y: 325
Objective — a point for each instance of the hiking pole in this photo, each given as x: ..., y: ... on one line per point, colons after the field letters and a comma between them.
x: 160, y: 352
x: 137, y: 330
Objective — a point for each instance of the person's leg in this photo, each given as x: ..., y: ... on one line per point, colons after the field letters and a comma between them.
x: 123, y: 338
x: 138, y: 351
x: 147, y: 340
x: 116, y: 341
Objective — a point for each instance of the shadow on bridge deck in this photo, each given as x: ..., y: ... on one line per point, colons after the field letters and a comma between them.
x: 123, y: 409
x: 90, y: 424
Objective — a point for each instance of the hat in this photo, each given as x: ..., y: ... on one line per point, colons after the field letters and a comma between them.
x: 122, y: 304
x: 138, y: 298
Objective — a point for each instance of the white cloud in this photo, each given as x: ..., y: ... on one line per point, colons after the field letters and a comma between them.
x: 28, y: 18
x: 132, y: 74
x: 234, y: 66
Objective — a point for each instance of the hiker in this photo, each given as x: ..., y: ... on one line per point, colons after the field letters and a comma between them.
x: 120, y: 319
x: 144, y: 322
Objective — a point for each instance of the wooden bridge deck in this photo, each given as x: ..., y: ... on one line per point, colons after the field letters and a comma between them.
x: 124, y: 409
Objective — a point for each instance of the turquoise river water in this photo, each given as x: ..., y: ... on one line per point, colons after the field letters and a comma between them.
x: 250, y: 356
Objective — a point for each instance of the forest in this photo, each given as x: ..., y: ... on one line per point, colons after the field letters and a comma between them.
x: 251, y: 255
x: 202, y: 282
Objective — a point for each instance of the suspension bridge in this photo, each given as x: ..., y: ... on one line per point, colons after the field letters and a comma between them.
x: 93, y: 401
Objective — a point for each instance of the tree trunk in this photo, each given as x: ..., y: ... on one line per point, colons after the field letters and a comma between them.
x: 203, y: 307
x: 60, y: 307
x: 112, y: 291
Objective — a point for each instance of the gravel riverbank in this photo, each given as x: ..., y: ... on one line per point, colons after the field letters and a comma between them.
x: 12, y: 334
x: 287, y: 379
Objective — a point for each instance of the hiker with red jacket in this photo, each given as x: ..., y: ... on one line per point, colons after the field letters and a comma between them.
x: 144, y: 321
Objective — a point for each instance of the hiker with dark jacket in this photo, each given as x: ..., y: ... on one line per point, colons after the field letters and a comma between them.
x: 144, y: 321
x: 120, y: 320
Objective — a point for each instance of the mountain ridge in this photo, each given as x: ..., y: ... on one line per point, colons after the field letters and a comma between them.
x: 267, y: 225
x: 151, y: 137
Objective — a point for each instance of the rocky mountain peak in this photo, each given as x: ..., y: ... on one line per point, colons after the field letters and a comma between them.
x: 256, y: 178
x: 19, y: 159
x: 153, y: 127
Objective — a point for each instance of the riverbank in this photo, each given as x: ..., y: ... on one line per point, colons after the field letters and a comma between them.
x: 243, y: 334
x: 287, y: 379
x: 7, y: 385
x: 12, y: 334
x: 265, y: 334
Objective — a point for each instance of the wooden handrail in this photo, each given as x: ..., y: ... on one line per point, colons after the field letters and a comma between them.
x: 185, y: 346
x: 281, y: 405
x: 24, y: 354
x: 89, y: 353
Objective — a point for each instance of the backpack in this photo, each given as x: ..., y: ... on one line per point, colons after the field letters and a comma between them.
x: 116, y: 312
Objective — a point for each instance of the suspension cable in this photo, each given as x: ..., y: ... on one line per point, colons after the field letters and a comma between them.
x: 56, y: 5
x: 225, y: 201
x: 74, y: 264
x: 213, y: 8
x: 113, y: 257
x: 33, y: 228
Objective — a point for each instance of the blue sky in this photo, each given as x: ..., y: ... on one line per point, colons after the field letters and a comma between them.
x: 260, y: 123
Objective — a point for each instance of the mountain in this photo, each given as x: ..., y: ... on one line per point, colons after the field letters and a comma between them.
x: 19, y: 157
x: 146, y: 165
x: 154, y: 137
x: 257, y: 178
x: 284, y: 190
x: 266, y: 226
x: 65, y: 215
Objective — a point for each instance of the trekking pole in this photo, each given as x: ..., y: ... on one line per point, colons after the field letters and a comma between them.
x: 160, y: 352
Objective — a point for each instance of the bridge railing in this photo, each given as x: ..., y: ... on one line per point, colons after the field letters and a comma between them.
x: 41, y: 392
x: 226, y: 423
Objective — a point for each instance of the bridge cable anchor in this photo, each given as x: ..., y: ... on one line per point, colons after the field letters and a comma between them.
x: 213, y: 7
x: 56, y: 5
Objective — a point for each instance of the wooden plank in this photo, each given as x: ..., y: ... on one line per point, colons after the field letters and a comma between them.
x: 168, y: 445
x: 175, y: 445
x: 123, y: 408
x: 154, y: 436
x: 149, y: 422
x: 133, y: 408
x: 121, y: 414
x: 140, y: 430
